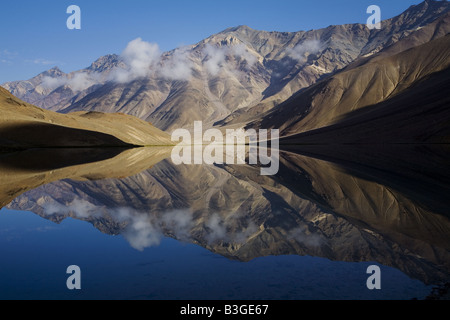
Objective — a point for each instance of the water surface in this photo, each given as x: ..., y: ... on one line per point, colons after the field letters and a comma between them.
x: 141, y: 227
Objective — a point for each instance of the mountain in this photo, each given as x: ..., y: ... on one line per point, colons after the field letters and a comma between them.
x: 53, y: 89
x: 398, y: 99
x: 230, y: 78
x: 24, y: 126
x: 417, y: 25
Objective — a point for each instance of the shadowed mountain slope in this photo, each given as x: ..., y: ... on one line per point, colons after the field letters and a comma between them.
x: 25, y: 126
x: 401, y: 98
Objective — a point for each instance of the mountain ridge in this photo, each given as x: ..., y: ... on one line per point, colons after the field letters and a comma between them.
x: 376, y: 82
x: 24, y: 126
x: 229, y: 78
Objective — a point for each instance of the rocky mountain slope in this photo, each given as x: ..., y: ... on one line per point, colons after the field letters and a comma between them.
x: 227, y: 79
x: 399, y: 99
x: 53, y: 89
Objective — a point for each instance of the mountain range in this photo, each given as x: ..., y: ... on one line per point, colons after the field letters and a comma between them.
x: 396, y: 99
x: 294, y: 81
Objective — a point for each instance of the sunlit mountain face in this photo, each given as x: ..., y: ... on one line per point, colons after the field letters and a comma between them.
x: 233, y: 77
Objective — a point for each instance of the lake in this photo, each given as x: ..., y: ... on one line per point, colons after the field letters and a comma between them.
x: 141, y: 227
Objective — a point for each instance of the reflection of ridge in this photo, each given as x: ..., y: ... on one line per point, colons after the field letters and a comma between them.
x: 420, y: 172
x: 391, y: 216
x: 310, y: 208
x: 35, y: 160
x: 361, y: 199
x: 23, y: 171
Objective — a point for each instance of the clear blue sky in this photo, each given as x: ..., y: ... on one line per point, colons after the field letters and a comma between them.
x: 34, y: 36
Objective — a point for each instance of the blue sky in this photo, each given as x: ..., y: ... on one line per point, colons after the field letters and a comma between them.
x: 34, y: 36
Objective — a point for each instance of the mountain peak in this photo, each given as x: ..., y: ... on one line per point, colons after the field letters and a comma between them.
x: 240, y: 28
x: 421, y: 14
x: 429, y: 6
x: 106, y: 62
x: 433, y: 3
x: 53, y: 72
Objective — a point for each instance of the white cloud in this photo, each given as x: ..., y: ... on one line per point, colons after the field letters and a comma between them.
x: 216, y: 229
x: 6, y: 52
x: 44, y: 62
x: 6, y: 56
x: 235, y: 228
x: 53, y: 83
x: 78, y: 207
x: 140, y: 232
x: 145, y: 230
x: 301, y: 235
x: 215, y: 58
x: 143, y: 59
x: 120, y: 75
x: 77, y: 82
x: 140, y: 57
x: 81, y: 81
x: 245, y: 233
x: 301, y: 51
x: 241, y: 51
x: 179, y: 222
x: 178, y: 66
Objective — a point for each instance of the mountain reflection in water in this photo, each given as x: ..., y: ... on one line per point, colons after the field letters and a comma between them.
x: 346, y: 203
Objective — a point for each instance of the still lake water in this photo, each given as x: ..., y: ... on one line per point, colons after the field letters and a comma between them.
x: 36, y: 253
x: 140, y: 227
